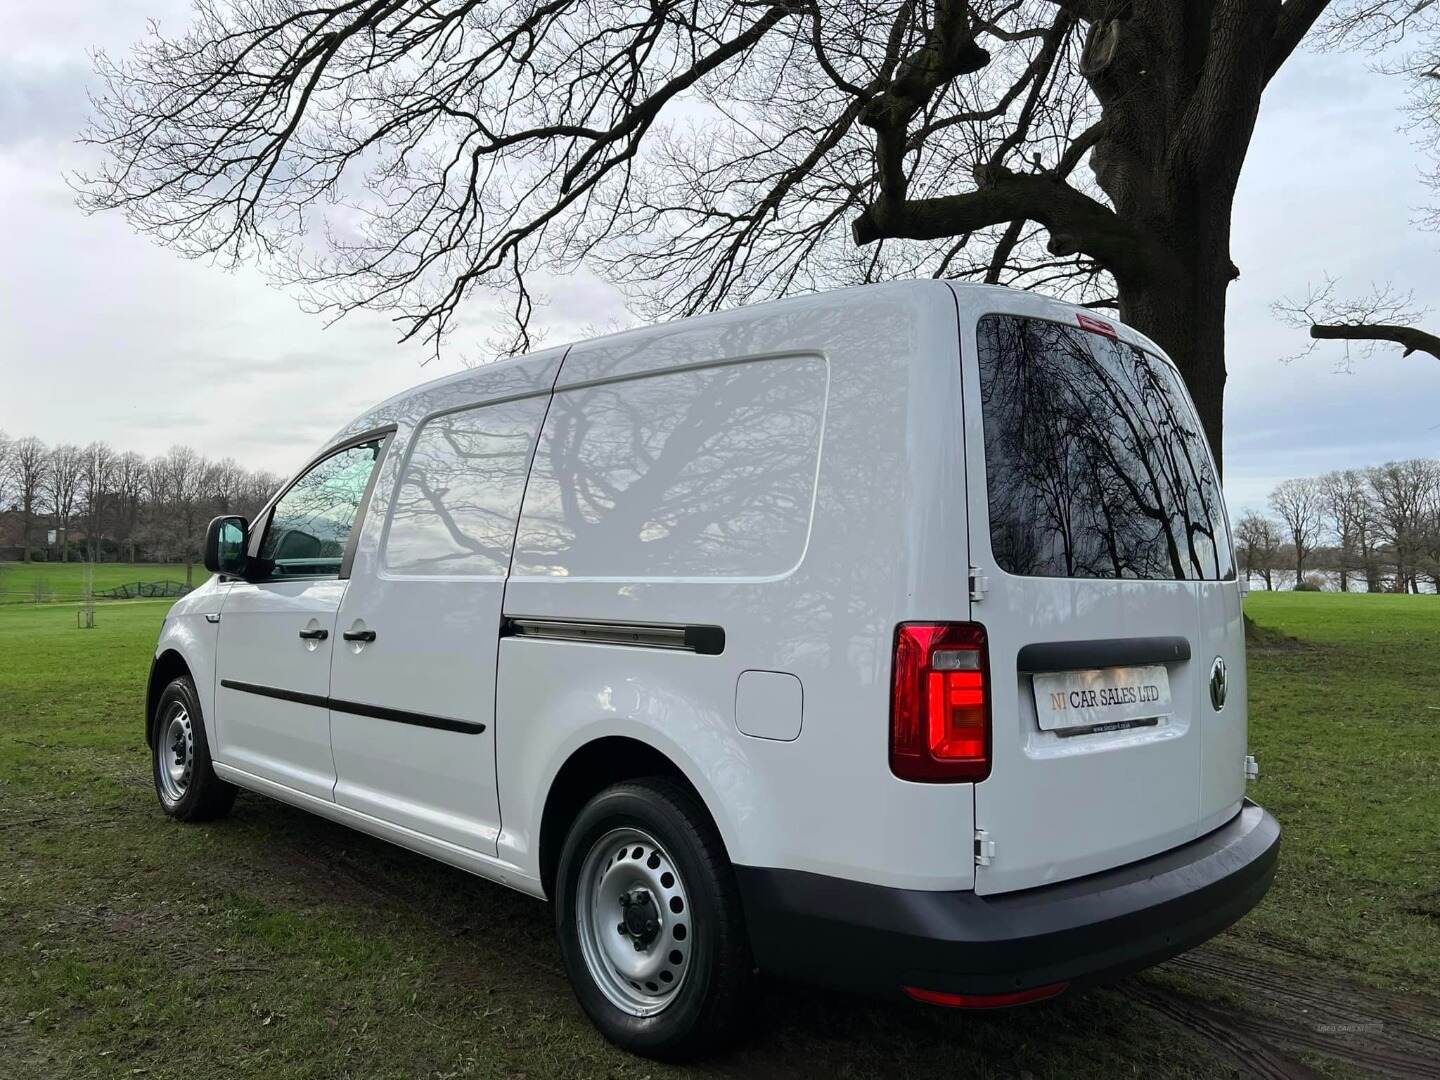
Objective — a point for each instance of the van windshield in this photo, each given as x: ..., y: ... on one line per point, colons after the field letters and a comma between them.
x: 1095, y: 461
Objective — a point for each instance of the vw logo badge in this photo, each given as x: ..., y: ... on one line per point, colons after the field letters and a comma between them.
x: 1219, y: 683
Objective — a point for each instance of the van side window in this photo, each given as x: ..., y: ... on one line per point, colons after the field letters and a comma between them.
x: 704, y: 473
x: 455, y: 508
x: 310, y: 526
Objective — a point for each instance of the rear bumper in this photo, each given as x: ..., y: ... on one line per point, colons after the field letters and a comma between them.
x: 875, y: 939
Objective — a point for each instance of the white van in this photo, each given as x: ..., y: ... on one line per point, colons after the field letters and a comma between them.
x: 888, y: 638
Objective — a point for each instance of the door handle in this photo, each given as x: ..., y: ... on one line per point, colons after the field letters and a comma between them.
x: 314, y: 635
x: 359, y: 635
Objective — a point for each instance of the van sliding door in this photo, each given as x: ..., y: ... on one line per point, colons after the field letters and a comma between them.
x: 413, y: 678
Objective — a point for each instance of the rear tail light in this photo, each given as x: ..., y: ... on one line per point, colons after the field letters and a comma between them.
x: 940, y: 703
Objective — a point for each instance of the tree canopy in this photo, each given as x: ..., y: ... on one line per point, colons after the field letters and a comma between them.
x: 398, y: 154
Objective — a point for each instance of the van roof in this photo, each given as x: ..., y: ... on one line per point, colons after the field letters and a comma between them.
x: 964, y: 290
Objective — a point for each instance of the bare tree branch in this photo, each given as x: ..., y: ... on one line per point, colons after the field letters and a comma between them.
x: 415, y: 156
x: 1413, y: 339
x: 1382, y: 316
x: 1077, y: 222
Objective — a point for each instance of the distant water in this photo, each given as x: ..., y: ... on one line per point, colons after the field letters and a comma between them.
x: 1329, y: 579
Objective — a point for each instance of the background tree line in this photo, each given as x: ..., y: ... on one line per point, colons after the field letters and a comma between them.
x: 1376, y: 528
x: 106, y: 505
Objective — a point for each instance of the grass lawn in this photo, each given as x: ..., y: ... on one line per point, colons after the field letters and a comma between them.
x: 275, y: 944
x: 1347, y: 727
x: 66, y: 581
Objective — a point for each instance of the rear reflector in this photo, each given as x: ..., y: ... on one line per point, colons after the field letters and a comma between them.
x: 985, y: 1001
x: 940, y: 703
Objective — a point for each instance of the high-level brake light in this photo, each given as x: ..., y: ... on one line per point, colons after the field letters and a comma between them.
x: 940, y: 703
x: 1097, y: 326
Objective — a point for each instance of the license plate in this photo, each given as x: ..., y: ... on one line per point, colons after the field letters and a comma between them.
x: 1101, y: 698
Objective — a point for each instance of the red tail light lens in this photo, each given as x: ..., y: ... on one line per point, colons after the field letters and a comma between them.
x: 940, y: 703
x: 1097, y: 326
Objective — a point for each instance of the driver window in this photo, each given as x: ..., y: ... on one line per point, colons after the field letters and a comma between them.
x: 310, y: 526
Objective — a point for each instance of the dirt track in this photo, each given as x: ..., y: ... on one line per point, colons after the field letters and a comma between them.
x: 1289, y: 1012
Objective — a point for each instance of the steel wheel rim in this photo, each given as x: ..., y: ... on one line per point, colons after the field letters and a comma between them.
x: 176, y: 750
x: 638, y: 973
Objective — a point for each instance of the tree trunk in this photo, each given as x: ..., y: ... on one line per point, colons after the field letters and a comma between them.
x: 1188, y: 322
x: 1269, y: 584
x: 1175, y: 139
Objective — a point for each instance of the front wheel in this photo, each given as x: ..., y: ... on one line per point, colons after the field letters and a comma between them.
x: 185, y: 780
x: 649, y: 919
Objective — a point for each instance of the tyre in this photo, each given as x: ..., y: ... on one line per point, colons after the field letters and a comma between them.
x: 184, y: 777
x: 650, y: 924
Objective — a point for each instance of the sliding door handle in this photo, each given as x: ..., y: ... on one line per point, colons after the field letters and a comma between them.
x: 359, y: 635
x: 314, y: 635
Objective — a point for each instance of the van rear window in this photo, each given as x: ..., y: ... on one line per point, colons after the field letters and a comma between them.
x: 1095, y: 461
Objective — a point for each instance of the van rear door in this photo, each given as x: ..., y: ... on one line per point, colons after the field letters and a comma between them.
x: 1095, y: 514
x: 1224, y: 734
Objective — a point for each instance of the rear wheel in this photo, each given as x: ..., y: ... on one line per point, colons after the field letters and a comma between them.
x: 185, y: 779
x: 650, y: 923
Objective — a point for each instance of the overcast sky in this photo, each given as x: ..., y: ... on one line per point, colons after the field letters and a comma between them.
x: 105, y: 336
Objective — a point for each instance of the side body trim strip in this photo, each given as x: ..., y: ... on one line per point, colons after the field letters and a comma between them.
x: 357, y: 708
x: 706, y: 640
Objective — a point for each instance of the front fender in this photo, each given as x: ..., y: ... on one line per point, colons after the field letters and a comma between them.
x: 187, y: 646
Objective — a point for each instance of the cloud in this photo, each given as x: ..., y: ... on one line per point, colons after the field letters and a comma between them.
x: 104, y: 335
x: 41, y: 101
x: 1330, y: 186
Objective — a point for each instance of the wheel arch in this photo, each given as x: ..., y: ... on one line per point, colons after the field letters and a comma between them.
x: 167, y: 666
x: 598, y: 764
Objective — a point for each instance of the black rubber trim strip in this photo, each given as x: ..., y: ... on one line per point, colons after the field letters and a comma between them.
x: 150, y: 696
x: 400, y: 716
x: 1101, y: 653
x: 320, y: 701
x: 705, y: 640
x: 357, y: 708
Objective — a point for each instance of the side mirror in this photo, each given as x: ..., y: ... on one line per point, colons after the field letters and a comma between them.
x: 225, y: 542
